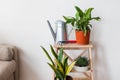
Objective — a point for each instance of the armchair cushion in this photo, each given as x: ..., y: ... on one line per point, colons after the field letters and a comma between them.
x: 5, y: 53
x: 6, y: 69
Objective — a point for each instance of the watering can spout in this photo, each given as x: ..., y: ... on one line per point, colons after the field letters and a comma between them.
x: 52, y: 31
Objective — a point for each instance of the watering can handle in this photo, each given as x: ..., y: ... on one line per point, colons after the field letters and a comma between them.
x: 53, y: 33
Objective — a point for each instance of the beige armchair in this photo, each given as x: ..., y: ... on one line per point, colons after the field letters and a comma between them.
x: 8, y: 62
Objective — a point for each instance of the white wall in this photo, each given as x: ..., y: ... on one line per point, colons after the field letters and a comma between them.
x: 23, y: 23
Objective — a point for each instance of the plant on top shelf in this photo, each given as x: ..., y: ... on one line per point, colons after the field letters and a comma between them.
x: 82, y: 64
x: 60, y: 64
x: 81, y: 23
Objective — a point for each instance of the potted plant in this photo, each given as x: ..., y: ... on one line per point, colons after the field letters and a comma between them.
x: 81, y: 24
x: 82, y: 64
x: 60, y: 64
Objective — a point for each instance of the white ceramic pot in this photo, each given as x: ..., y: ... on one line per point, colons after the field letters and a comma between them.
x: 81, y: 69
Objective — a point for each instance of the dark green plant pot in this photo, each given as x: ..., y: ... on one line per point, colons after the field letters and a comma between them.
x: 67, y: 78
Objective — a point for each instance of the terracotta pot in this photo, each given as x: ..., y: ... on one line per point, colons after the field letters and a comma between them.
x: 81, y: 38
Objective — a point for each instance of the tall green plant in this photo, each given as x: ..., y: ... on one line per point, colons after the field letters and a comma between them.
x: 60, y: 64
x: 81, y: 20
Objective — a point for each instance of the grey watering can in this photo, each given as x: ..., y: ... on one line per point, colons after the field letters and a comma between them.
x: 61, y: 31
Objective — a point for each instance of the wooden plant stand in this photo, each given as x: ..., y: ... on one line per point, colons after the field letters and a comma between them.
x: 88, y: 75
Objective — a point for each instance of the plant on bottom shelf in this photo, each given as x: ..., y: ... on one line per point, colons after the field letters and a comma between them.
x: 60, y: 64
x: 82, y: 64
x: 82, y: 61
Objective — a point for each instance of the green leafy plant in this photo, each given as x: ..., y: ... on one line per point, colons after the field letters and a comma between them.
x: 82, y: 61
x: 60, y: 64
x: 81, y: 21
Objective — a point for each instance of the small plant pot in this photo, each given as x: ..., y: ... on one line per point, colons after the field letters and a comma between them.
x: 67, y: 78
x: 81, y: 38
x: 81, y: 69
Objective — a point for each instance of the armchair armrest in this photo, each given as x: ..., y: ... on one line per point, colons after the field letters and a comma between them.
x: 13, y: 50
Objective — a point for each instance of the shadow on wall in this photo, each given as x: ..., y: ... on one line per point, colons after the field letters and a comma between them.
x: 26, y: 72
x: 101, y: 66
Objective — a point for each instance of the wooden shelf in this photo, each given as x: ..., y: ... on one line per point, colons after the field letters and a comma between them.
x: 88, y: 75
x: 78, y: 76
x: 73, y: 46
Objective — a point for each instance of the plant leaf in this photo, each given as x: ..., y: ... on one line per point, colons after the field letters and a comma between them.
x: 88, y: 13
x: 65, y: 62
x: 96, y: 18
x: 77, y: 15
x: 69, y: 19
x: 59, y: 65
x: 53, y: 52
x: 60, y: 56
x: 79, y: 11
x: 69, y: 68
x: 48, y: 56
x: 58, y: 74
x: 85, y: 31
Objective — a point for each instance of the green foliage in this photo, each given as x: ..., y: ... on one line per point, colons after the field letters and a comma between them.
x: 60, y: 64
x: 81, y: 20
x: 82, y: 61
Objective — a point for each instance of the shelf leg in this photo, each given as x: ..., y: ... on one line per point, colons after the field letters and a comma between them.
x: 91, y: 65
